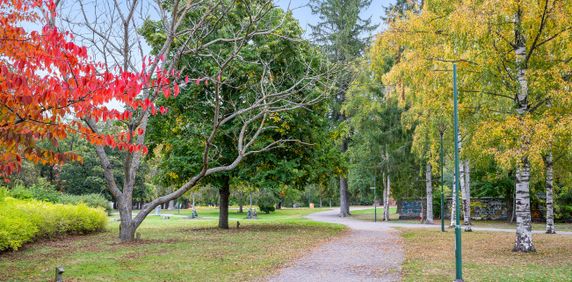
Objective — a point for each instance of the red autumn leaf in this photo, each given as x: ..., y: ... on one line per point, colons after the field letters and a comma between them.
x: 176, y: 90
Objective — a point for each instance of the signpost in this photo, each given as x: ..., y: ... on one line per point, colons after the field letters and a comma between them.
x: 458, y: 258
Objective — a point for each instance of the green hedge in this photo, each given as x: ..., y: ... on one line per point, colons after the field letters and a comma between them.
x: 23, y: 221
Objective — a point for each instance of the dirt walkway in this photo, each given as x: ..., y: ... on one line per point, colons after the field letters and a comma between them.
x: 370, y: 252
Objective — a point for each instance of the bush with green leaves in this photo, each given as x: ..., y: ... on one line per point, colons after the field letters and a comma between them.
x: 23, y: 221
x: 42, y: 191
x: 90, y: 200
x: 266, y: 201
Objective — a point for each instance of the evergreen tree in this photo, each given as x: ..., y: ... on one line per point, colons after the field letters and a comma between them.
x: 343, y: 34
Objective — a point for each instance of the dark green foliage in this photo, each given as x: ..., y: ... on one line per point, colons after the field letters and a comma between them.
x: 179, y: 137
x: 380, y: 145
x: 342, y: 33
x: 42, y: 191
x: 77, y: 178
x: 266, y: 201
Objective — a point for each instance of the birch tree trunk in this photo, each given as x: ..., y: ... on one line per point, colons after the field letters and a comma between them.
x: 523, y: 240
x: 467, y: 197
x: 386, y: 194
x: 462, y: 185
x: 549, y: 166
x: 453, y: 202
x: 429, y: 196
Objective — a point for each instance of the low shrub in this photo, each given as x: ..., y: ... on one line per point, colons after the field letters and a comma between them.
x: 91, y: 200
x: 23, y: 221
x: 43, y: 191
x: 266, y: 201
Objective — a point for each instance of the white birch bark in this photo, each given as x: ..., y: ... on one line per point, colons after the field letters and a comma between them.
x: 549, y: 166
x: 523, y: 240
x: 467, y: 197
x: 453, y: 202
x: 429, y: 194
x: 386, y: 194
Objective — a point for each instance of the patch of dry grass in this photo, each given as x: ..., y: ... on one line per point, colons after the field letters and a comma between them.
x: 487, y: 256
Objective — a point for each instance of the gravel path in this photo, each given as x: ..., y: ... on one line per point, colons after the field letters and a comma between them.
x: 370, y: 252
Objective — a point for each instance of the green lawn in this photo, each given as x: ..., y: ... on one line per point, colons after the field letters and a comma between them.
x: 368, y: 214
x: 486, y: 257
x: 176, y: 249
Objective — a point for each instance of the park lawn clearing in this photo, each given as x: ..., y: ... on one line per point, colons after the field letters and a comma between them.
x: 176, y: 249
x: 487, y: 256
x: 368, y: 214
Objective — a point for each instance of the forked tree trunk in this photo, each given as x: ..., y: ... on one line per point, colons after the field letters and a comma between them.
x: 224, y: 195
x: 429, y: 191
x: 386, y: 193
x: 127, y: 226
x: 467, y: 197
x: 549, y: 166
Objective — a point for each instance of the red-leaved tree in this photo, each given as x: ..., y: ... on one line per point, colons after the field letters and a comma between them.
x: 50, y: 87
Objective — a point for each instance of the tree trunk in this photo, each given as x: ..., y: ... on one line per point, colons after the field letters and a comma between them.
x: 344, y: 195
x: 128, y: 226
x: 127, y: 231
x: 453, y: 202
x: 429, y: 196
x: 467, y: 197
x: 224, y: 194
x: 523, y: 240
x: 171, y: 205
x: 461, y: 184
x: 386, y: 194
x: 549, y: 166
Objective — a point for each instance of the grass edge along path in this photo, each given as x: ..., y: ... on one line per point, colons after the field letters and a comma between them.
x: 177, y: 249
x: 487, y: 256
